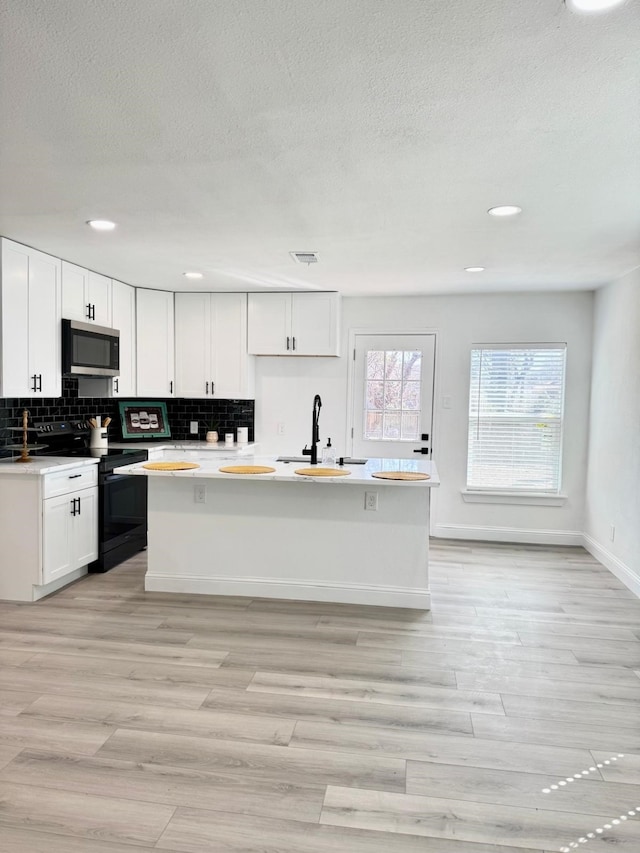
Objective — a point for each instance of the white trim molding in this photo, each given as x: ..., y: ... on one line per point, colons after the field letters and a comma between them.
x: 525, y: 498
x: 621, y: 570
x: 517, y: 535
x: 385, y: 596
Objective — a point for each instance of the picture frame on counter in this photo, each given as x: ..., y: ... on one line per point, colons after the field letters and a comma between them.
x: 141, y: 419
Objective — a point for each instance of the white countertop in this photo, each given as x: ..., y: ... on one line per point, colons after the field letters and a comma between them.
x: 44, y: 465
x: 285, y: 472
x: 184, y: 445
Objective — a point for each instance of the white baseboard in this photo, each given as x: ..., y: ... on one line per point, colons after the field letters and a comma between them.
x: 629, y: 578
x: 40, y: 591
x: 508, y: 534
x: 383, y: 596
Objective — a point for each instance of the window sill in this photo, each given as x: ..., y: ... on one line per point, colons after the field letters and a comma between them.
x: 524, y: 498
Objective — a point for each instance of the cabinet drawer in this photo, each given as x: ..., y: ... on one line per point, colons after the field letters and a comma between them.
x: 69, y: 480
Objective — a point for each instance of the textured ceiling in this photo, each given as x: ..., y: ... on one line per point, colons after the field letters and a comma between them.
x: 222, y: 134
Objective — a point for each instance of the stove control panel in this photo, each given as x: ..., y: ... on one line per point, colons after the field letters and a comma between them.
x: 61, y: 427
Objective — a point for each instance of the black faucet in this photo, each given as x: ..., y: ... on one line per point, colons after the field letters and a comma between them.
x: 315, y: 432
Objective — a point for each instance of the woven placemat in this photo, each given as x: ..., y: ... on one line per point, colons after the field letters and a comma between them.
x: 170, y: 466
x: 247, y: 469
x: 322, y: 472
x: 401, y: 475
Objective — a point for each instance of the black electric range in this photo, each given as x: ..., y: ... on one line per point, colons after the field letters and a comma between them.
x: 122, y: 500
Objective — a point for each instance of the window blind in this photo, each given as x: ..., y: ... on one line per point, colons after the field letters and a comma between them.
x: 516, y: 409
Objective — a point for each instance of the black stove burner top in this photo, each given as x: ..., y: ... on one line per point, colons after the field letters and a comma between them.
x: 71, y: 438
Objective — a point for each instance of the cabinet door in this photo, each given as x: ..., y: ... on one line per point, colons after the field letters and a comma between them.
x: 75, y: 293
x: 14, y: 320
x: 270, y: 324
x: 84, y: 529
x: 154, y: 333
x: 57, y: 558
x: 194, y: 368
x: 314, y: 323
x: 100, y: 299
x: 124, y: 319
x: 233, y: 368
x: 45, y: 308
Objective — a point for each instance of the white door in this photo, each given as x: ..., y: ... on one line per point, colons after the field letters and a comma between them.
x: 232, y: 366
x: 194, y: 373
x: 392, y: 406
x: 45, y: 307
x: 75, y: 293
x: 57, y: 516
x: 155, y: 347
x: 270, y: 324
x: 85, y: 528
x: 124, y: 319
x: 100, y: 299
x: 314, y: 323
x: 14, y: 322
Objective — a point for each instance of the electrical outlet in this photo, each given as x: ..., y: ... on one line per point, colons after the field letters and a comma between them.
x: 280, y: 428
x: 612, y: 532
x: 371, y: 501
x: 200, y: 494
x: 193, y: 427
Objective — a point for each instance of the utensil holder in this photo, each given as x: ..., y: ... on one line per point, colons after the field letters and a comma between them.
x: 98, y: 437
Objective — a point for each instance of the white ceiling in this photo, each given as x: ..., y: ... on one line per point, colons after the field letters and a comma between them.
x: 222, y: 134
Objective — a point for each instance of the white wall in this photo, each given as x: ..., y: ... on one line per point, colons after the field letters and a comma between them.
x: 285, y: 389
x: 613, y: 489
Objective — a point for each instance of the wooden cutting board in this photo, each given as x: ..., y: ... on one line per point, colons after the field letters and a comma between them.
x: 170, y: 466
x: 401, y: 475
x: 322, y: 472
x: 247, y: 469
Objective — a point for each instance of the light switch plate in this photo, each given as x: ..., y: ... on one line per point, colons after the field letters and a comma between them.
x: 193, y: 427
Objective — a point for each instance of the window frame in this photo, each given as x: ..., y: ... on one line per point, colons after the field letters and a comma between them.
x: 510, y: 494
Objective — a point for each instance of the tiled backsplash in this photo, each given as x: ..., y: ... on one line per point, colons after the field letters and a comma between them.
x: 227, y: 414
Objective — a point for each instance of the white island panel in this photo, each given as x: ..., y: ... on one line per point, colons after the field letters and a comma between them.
x: 281, y: 535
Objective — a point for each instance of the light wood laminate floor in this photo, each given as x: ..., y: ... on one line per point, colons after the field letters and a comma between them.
x: 506, y: 720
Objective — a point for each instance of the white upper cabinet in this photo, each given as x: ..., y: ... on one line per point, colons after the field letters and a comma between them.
x: 211, y: 346
x: 294, y: 323
x: 124, y: 319
x: 30, y: 309
x: 155, y: 346
x: 86, y: 295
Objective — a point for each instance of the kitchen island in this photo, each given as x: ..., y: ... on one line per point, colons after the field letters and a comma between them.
x: 282, y: 535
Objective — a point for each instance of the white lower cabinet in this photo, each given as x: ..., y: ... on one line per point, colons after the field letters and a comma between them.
x: 69, y: 533
x: 48, y: 529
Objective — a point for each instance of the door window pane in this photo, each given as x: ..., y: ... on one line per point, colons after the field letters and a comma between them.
x: 393, y: 395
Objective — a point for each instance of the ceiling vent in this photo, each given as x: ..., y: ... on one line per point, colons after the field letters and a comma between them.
x: 305, y: 257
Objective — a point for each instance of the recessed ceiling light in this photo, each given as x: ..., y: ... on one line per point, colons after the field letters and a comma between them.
x: 592, y: 5
x: 192, y: 275
x: 474, y: 269
x: 101, y: 224
x: 505, y: 210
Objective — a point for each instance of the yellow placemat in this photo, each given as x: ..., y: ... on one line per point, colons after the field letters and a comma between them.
x: 322, y: 472
x: 401, y: 475
x: 170, y: 466
x: 247, y: 469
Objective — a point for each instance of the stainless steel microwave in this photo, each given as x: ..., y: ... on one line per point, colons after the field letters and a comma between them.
x: 89, y: 350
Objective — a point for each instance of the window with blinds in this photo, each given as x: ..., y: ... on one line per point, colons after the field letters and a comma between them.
x: 515, y: 417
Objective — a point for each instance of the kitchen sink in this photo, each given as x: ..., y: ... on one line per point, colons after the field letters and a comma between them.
x: 348, y: 460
